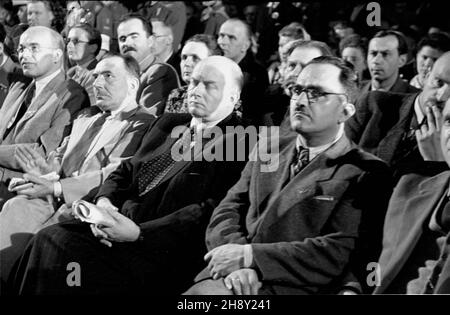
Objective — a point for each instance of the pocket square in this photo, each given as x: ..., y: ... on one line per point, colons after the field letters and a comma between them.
x: 324, y: 197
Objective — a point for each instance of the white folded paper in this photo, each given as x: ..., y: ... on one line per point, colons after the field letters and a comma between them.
x: 89, y: 212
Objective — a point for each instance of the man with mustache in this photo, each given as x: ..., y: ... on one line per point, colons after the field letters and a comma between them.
x: 403, y: 130
x: 160, y: 204
x: 158, y: 79
x: 294, y: 230
x: 387, y: 53
x: 103, y: 135
x: 38, y: 114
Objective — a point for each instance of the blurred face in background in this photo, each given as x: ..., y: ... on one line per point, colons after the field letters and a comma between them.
x: 425, y: 59
x: 134, y: 40
x: 39, y: 15
x: 356, y: 57
x: 296, y: 61
x: 191, y: 54
x: 78, y: 48
x: 233, y: 40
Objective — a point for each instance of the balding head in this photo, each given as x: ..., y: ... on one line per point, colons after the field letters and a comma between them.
x: 234, y: 39
x: 41, y: 51
x: 214, y: 89
x: 436, y: 90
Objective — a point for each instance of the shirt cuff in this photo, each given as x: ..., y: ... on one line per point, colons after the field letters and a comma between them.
x: 248, y: 256
x: 57, y: 189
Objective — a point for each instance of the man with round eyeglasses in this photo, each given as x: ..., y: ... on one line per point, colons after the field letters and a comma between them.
x: 37, y: 114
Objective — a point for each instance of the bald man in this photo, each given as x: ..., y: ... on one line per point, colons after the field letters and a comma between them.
x: 235, y: 38
x: 38, y: 114
x: 160, y: 204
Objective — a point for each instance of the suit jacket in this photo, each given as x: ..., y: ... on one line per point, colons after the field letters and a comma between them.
x: 84, y: 78
x: 46, y: 122
x: 303, y: 231
x: 173, y: 215
x: 9, y: 73
x: 379, y: 124
x: 413, y: 201
x: 157, y: 81
x: 119, y: 143
x: 400, y: 86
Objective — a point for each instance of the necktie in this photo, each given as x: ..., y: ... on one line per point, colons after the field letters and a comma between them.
x: 22, y: 109
x: 300, y: 161
x: 76, y: 157
x: 153, y: 171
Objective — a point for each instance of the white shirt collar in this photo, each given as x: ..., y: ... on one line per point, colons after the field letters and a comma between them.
x: 315, y: 151
x: 199, y: 124
x: 122, y: 106
x: 418, y: 110
x: 42, y: 82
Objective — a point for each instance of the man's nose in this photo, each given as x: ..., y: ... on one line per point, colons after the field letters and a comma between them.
x: 99, y: 81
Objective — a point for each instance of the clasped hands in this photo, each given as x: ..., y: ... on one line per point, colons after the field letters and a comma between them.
x: 122, y: 230
x: 227, y: 261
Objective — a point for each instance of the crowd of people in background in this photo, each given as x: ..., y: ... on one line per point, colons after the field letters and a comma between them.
x: 357, y: 119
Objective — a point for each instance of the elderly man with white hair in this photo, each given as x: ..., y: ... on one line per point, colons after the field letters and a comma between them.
x: 158, y: 206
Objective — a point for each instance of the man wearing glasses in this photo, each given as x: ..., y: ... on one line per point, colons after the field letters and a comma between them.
x: 38, y: 114
x: 163, y: 45
x: 293, y: 230
x: 83, y: 44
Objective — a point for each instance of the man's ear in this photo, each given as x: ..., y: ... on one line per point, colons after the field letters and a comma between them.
x: 402, y: 60
x: 58, y: 54
x: 1, y: 48
x: 348, y: 111
x: 133, y: 84
x: 234, y: 97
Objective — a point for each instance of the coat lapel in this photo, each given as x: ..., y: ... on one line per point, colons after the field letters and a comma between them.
x: 47, y: 96
x: 410, y: 223
x: 116, y: 129
x: 302, y: 185
x: 13, y: 100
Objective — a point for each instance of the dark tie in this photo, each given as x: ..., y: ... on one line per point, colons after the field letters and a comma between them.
x: 76, y: 157
x: 152, y: 172
x: 22, y: 109
x: 300, y: 161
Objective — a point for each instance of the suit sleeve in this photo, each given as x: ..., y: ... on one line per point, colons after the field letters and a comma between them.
x: 227, y: 221
x: 314, y: 261
x: 160, y: 80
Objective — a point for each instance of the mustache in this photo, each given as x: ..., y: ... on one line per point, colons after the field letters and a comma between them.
x: 128, y: 48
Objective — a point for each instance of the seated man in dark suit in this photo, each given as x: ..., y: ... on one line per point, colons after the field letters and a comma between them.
x: 387, y: 53
x: 416, y: 240
x: 160, y: 204
x: 386, y: 124
x: 38, y: 114
x: 296, y: 230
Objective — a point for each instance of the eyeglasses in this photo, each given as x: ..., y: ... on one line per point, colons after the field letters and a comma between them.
x: 158, y: 36
x: 75, y: 41
x: 34, y: 49
x: 312, y: 94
